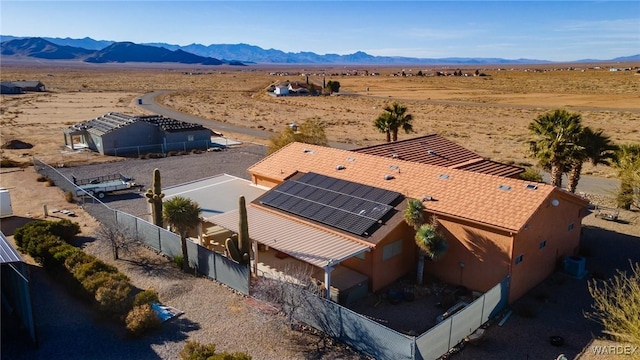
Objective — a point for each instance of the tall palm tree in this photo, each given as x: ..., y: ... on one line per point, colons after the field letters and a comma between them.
x: 593, y: 146
x: 394, y: 118
x: 414, y: 217
x: 556, y: 135
x: 182, y: 215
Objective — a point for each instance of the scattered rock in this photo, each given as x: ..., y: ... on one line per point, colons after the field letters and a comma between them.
x: 16, y: 144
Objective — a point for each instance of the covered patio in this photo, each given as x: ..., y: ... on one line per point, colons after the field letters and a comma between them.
x: 285, y: 240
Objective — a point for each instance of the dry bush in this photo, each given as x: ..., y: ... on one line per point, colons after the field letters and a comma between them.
x: 114, y: 297
x: 617, y: 304
x: 148, y: 296
x: 142, y: 320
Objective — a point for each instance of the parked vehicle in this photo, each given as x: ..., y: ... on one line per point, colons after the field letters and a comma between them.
x: 102, y: 185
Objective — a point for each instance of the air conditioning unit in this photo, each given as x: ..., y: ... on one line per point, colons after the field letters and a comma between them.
x: 575, y: 266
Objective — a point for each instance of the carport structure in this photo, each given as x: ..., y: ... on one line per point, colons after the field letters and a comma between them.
x: 307, y: 243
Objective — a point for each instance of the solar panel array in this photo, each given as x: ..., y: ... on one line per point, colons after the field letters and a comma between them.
x: 345, y: 205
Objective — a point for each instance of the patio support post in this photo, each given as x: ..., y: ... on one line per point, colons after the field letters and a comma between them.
x: 327, y: 280
x: 254, y: 247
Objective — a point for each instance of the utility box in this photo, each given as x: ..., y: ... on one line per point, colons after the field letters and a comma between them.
x: 5, y: 203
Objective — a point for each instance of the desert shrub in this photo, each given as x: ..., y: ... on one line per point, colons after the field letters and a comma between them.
x: 172, y: 153
x: 65, y: 229
x: 50, y: 182
x: 531, y: 174
x: 142, y: 320
x: 148, y: 296
x: 68, y: 196
x: 76, y: 259
x: 63, y: 251
x: 178, y: 260
x: 8, y: 163
x: 40, y: 247
x: 113, y: 297
x: 41, y: 178
x: 193, y: 350
x: 616, y: 304
x: 97, y: 280
x: 83, y: 271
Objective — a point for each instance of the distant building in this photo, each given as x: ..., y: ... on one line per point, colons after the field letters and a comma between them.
x: 120, y: 134
x: 23, y: 86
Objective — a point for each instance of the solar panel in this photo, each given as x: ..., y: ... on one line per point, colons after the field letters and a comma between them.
x: 345, y: 205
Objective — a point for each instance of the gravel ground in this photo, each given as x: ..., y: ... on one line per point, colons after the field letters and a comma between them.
x: 69, y: 329
x: 174, y: 170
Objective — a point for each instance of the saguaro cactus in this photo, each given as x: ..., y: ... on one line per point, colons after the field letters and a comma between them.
x: 239, y: 246
x: 154, y: 197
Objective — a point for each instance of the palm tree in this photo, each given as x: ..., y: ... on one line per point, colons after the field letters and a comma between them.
x: 430, y: 240
x: 592, y: 146
x: 556, y: 138
x: 394, y: 118
x: 414, y: 217
x: 182, y: 215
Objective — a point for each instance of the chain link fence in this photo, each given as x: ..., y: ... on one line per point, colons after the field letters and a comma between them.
x: 205, y: 261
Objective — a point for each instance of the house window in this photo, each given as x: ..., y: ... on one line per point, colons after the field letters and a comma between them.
x: 519, y: 259
x: 391, y: 250
x: 360, y: 256
x: 571, y: 226
x: 542, y: 244
x: 189, y: 137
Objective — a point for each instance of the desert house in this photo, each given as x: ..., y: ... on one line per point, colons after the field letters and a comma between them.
x: 434, y: 149
x: 120, y: 134
x: 23, y: 86
x: 495, y: 226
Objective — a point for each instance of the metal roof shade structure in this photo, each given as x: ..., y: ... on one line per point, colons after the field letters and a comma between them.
x: 302, y: 241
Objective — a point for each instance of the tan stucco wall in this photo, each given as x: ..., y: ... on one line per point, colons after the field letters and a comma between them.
x: 264, y: 181
x: 550, y: 223
x: 484, y: 251
x: 383, y: 273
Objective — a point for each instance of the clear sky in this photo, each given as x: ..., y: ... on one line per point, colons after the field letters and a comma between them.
x: 545, y: 30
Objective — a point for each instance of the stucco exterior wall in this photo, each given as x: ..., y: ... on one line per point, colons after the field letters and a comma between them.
x: 477, y: 257
x: 551, y: 234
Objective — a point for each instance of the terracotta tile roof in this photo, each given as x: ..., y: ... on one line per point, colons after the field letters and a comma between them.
x: 436, y: 150
x: 496, y: 201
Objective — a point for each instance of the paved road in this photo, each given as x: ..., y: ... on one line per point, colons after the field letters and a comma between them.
x: 149, y: 103
x: 587, y: 184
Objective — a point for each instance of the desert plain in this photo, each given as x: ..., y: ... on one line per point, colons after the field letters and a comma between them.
x: 487, y: 114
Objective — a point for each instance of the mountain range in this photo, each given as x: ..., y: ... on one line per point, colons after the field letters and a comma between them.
x: 101, y: 51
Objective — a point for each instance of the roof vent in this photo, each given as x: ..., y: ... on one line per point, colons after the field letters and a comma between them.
x: 504, y: 187
x: 444, y: 176
x: 431, y: 152
x: 531, y: 187
x: 388, y: 177
x: 307, y: 151
x: 394, y: 167
x: 351, y: 159
x: 427, y: 198
x: 340, y: 167
x: 395, y: 156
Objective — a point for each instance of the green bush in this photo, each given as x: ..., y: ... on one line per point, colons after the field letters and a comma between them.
x: 531, y: 174
x: 142, y: 320
x: 148, y: 296
x: 65, y: 229
x: 92, y: 283
x: 113, y: 297
x: 193, y: 350
x: 178, y: 261
x: 83, y: 271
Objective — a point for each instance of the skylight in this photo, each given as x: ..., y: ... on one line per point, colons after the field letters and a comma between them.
x: 504, y: 187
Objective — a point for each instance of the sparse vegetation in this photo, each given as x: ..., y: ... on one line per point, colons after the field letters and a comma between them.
x: 311, y: 132
x: 194, y: 350
x: 531, y: 174
x: 142, y: 320
x: 617, y: 304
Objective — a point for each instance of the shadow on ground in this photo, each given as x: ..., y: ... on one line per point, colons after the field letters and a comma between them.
x: 68, y: 328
